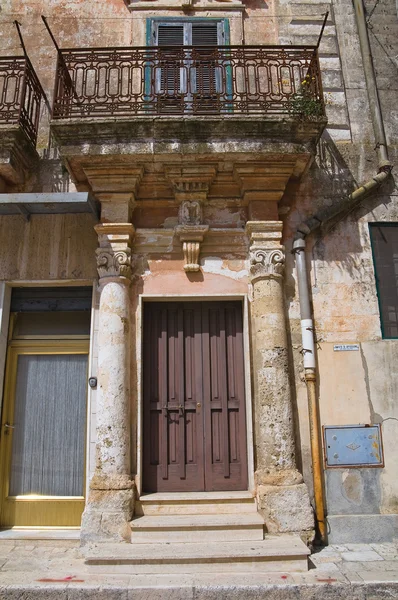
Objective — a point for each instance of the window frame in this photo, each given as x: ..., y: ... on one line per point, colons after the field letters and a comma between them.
x: 223, y: 31
x: 152, y: 21
x: 371, y: 226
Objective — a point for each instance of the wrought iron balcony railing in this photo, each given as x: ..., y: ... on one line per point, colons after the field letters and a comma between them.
x: 21, y: 95
x: 237, y: 80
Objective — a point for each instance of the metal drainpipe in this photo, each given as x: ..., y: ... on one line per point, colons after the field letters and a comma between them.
x: 303, y: 230
x: 370, y: 77
x: 308, y: 343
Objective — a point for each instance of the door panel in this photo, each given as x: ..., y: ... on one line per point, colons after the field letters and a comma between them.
x: 224, y: 399
x: 194, y: 411
x: 43, y: 434
x: 173, y: 427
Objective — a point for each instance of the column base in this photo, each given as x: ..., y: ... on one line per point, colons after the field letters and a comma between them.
x: 286, y: 508
x: 107, y: 516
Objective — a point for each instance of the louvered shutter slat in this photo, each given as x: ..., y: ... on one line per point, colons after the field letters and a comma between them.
x: 170, y: 35
x: 170, y: 80
x: 205, y: 35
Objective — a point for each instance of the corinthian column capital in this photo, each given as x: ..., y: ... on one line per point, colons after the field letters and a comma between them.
x: 114, y: 252
x: 267, y: 255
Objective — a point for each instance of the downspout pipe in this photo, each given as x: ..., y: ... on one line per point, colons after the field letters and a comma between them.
x: 304, y: 229
x: 370, y: 78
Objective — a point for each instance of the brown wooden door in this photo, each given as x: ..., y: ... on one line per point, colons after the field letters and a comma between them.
x: 194, y: 404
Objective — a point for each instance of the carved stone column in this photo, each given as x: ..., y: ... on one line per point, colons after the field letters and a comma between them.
x: 110, y: 503
x: 282, y: 495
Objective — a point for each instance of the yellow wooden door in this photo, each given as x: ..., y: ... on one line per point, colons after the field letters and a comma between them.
x: 43, y: 431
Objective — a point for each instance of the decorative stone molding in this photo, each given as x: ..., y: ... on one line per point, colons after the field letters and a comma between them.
x: 191, y: 187
x: 190, y: 182
x: 263, y: 184
x: 111, y: 264
x: 190, y: 212
x: 116, y: 207
x: 114, y: 252
x: 187, y: 5
x: 191, y: 237
x: 113, y: 178
x: 267, y: 255
x: 267, y: 263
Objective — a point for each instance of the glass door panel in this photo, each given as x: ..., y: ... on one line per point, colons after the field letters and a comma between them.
x: 43, y: 434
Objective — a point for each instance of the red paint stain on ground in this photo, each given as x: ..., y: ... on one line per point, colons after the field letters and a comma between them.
x: 69, y: 578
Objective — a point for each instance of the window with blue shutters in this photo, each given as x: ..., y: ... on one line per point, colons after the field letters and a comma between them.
x: 188, y: 75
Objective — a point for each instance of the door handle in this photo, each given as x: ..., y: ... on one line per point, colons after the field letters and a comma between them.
x: 7, y: 426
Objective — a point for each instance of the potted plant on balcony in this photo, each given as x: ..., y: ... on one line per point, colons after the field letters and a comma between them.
x: 305, y: 104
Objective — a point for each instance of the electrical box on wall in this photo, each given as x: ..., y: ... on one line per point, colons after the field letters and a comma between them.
x: 353, y: 446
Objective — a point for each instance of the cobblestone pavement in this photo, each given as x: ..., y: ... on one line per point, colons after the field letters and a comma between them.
x: 32, y: 569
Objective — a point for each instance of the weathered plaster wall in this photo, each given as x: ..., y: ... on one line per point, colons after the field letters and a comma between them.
x: 217, y: 277
x: 356, y: 387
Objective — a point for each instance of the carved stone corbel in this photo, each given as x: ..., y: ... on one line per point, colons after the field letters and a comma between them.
x: 191, y: 237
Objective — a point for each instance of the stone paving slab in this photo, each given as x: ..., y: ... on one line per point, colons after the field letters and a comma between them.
x: 55, y: 570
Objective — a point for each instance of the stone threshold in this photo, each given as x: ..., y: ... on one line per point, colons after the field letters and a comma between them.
x: 195, y: 496
x: 20, y: 533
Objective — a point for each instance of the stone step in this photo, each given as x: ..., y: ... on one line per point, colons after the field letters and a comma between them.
x: 189, y: 503
x: 197, y: 528
x: 282, y: 553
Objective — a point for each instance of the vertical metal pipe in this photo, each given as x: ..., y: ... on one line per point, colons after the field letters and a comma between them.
x: 371, y: 85
x: 316, y: 453
x: 308, y: 342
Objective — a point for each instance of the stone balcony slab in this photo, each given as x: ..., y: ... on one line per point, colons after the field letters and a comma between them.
x: 18, y: 157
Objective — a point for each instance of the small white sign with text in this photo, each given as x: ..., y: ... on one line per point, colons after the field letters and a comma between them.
x: 345, y: 347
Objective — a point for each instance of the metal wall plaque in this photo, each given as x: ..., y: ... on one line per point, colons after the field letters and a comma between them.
x: 353, y: 446
x: 345, y: 347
